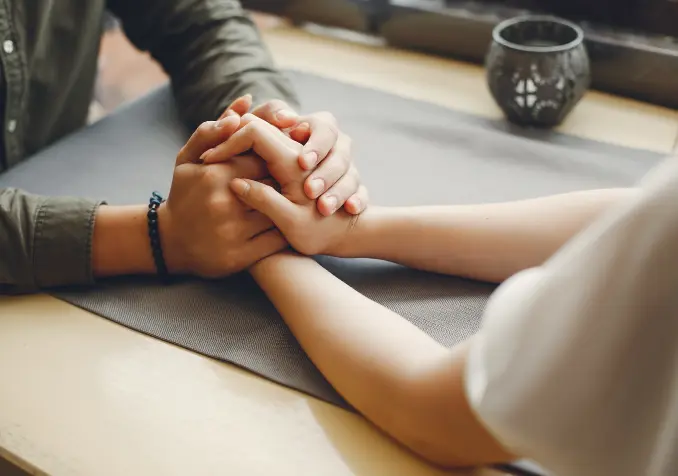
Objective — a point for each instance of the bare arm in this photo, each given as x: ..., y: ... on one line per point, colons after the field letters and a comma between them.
x: 120, y: 244
x: 389, y: 370
x: 490, y: 242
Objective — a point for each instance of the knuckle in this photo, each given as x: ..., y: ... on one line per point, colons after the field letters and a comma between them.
x: 333, y: 129
x: 218, y: 204
x: 211, y: 175
x: 252, y: 126
x: 203, y: 128
x: 328, y: 118
x: 249, y: 118
x: 228, y: 234
x: 279, y: 104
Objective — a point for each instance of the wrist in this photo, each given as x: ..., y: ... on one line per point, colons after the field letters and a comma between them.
x: 264, y: 266
x: 170, y: 240
x: 366, y: 234
x: 120, y: 244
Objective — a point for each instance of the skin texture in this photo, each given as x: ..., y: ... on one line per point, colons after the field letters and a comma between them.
x: 399, y: 378
x: 325, y: 147
x: 204, y: 229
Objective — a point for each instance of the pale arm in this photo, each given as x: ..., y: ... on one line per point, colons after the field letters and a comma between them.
x: 489, y: 242
x: 389, y: 370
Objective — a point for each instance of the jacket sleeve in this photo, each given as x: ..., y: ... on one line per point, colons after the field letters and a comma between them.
x: 211, y: 50
x: 44, y: 242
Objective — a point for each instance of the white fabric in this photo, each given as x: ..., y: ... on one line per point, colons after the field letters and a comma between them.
x: 576, y: 366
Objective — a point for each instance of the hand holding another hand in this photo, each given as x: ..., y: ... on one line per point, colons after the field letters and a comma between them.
x: 205, y: 229
x: 292, y: 212
x: 325, y: 152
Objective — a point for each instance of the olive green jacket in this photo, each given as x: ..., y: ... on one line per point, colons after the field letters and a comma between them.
x: 49, y: 48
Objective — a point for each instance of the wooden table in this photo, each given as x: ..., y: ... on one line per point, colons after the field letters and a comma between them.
x: 82, y: 395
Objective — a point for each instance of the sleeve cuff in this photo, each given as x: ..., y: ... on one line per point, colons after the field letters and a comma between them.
x: 497, y: 373
x: 63, y: 242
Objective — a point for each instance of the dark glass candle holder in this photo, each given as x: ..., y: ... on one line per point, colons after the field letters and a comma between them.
x: 537, y: 69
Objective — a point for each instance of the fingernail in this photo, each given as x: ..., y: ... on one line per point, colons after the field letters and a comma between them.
x: 355, y: 203
x: 331, y: 203
x: 204, y: 155
x: 248, y: 96
x: 317, y: 187
x: 286, y: 114
x: 310, y: 160
x: 239, y: 186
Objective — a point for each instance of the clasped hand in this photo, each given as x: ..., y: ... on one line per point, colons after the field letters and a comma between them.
x: 223, y: 214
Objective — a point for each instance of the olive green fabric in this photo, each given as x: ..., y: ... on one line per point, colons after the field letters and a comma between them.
x: 49, y: 48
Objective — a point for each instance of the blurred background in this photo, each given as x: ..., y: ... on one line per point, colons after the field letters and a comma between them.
x: 118, y: 57
x: 633, y: 44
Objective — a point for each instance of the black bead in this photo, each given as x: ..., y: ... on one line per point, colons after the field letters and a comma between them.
x: 154, y: 235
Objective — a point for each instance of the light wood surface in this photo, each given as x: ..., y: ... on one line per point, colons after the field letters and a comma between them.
x: 81, y: 395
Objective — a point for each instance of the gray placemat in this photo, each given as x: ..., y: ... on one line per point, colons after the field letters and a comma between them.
x: 409, y: 153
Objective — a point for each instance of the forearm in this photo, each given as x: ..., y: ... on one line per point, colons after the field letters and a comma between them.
x: 397, y: 376
x: 489, y: 242
x: 120, y: 243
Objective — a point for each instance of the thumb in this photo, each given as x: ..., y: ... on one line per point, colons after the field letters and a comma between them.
x: 264, y: 199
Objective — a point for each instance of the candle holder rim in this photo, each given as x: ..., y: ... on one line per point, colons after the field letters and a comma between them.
x: 498, y: 38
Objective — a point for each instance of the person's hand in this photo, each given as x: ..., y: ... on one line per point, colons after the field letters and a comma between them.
x: 306, y: 230
x: 326, y: 152
x: 205, y: 230
x: 275, y: 148
x: 295, y: 215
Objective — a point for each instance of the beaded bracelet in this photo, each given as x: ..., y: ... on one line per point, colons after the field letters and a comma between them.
x: 154, y: 235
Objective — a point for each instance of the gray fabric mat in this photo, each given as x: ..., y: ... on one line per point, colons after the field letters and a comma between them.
x: 409, y: 153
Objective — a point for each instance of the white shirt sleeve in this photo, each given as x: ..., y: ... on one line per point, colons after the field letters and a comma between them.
x: 576, y: 366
